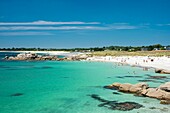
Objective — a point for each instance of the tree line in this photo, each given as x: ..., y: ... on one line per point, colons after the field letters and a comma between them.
x: 114, y: 48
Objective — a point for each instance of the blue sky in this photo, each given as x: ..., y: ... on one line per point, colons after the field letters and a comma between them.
x: 83, y: 23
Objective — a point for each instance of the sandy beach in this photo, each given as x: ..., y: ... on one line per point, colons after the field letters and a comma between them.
x: 141, y: 61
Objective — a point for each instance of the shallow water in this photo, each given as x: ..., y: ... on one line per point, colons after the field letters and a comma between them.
x: 64, y: 87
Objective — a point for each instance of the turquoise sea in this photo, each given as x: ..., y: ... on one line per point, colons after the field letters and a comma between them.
x: 64, y: 87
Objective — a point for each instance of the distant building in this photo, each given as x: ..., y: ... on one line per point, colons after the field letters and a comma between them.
x: 156, y: 49
x: 167, y: 48
x: 144, y: 49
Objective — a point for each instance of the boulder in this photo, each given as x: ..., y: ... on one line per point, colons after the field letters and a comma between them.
x: 155, y: 93
x: 116, y: 84
x: 138, y: 87
x: 125, y: 87
x: 165, y: 87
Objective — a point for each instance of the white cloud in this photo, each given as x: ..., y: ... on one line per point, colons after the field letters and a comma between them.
x: 10, y: 26
x: 163, y: 24
x: 24, y: 33
x: 41, y: 22
x: 123, y: 26
x: 52, y: 28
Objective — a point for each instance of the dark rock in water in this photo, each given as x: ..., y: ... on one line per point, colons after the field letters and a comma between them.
x: 97, y: 97
x: 64, y: 77
x: 107, y: 104
x: 157, y: 77
x: 125, y: 106
x: 119, y: 77
x: 116, y: 93
x: 46, y: 67
x: 114, y: 105
x: 146, y: 81
x: 17, y: 94
x: 134, y: 76
x: 110, y: 87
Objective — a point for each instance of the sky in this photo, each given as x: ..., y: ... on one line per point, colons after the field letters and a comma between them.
x: 83, y: 23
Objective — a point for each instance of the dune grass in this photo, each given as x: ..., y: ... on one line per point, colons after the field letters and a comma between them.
x: 126, y: 53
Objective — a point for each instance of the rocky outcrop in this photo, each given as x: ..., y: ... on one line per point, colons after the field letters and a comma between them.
x: 33, y: 56
x: 142, y: 89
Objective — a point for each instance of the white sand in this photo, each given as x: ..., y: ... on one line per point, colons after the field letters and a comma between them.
x: 143, y: 61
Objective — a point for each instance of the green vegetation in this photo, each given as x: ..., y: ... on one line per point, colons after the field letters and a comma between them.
x: 109, y: 48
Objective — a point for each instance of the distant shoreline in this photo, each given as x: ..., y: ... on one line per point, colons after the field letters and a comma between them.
x: 45, y: 52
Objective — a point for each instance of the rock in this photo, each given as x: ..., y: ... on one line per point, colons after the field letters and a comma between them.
x: 165, y: 72
x: 138, y: 87
x: 114, y: 105
x: 165, y: 87
x: 116, y: 84
x: 162, y: 71
x: 142, y: 85
x: 158, y: 70
x: 124, y: 106
x: 156, y: 93
x: 96, y: 97
x: 165, y: 102
x: 125, y: 87
x: 157, y: 77
x: 111, y: 87
x: 134, y: 89
x: 116, y: 93
x: 167, y: 96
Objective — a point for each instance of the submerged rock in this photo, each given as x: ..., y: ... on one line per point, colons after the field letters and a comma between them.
x: 97, y: 97
x: 116, y: 93
x: 125, y: 106
x: 114, y: 105
x: 157, y: 77
x: 17, y: 94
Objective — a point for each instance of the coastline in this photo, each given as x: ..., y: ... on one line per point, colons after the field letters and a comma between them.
x: 138, y: 61
x: 162, y: 63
